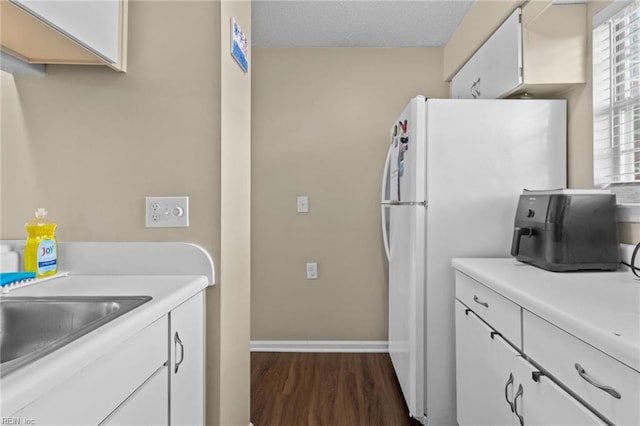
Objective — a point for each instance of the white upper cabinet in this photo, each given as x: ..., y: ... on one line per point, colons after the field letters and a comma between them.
x: 538, y: 50
x: 464, y: 84
x: 496, y: 67
x: 500, y: 59
x: 92, y: 23
x: 66, y: 31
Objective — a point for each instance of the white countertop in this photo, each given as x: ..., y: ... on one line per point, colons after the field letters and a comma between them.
x: 600, y: 308
x: 167, y: 292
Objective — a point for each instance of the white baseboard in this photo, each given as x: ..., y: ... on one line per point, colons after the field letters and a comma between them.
x: 338, y: 346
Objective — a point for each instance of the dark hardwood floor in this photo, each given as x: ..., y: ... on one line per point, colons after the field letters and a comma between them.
x: 305, y: 389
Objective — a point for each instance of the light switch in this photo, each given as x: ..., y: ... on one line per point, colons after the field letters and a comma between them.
x: 303, y: 204
x: 312, y: 271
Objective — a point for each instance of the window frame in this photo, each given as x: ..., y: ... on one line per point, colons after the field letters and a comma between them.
x: 627, y: 211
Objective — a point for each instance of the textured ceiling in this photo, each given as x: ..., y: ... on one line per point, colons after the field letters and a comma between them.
x: 348, y: 23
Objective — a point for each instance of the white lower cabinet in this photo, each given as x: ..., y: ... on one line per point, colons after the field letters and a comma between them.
x: 147, y: 380
x: 186, y: 362
x: 90, y: 395
x: 496, y: 385
x: 481, y: 378
x: 147, y: 406
x: 545, y: 403
x: 603, y: 382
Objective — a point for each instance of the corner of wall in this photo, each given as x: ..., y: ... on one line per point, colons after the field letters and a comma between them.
x: 235, y: 234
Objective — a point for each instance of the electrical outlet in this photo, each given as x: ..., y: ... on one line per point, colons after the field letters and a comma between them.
x: 312, y: 271
x: 167, y: 212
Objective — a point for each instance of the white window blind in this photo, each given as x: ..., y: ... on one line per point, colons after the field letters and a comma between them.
x: 616, y: 103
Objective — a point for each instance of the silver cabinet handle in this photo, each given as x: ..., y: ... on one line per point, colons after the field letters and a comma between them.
x: 506, y: 390
x: 177, y: 341
x: 608, y: 389
x: 519, y: 393
x: 480, y: 302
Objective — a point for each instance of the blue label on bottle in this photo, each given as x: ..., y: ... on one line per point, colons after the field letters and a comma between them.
x: 47, y: 259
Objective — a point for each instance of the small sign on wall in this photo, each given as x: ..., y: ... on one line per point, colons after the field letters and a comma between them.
x: 239, y: 45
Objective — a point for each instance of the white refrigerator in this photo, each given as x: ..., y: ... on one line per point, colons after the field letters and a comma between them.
x: 451, y: 182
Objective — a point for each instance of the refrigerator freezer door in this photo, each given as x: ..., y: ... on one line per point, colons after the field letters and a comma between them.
x: 406, y: 277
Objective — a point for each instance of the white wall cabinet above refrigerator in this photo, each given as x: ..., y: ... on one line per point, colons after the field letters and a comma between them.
x: 538, y: 50
x: 66, y: 32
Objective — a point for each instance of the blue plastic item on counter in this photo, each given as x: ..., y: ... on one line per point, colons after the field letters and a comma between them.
x: 7, y: 278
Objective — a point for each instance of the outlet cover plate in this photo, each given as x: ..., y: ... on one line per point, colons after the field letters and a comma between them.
x: 167, y: 212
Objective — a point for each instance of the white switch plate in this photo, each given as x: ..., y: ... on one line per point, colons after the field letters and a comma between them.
x: 167, y: 212
x: 303, y: 204
x: 312, y: 271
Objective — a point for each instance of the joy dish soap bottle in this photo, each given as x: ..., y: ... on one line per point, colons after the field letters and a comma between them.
x: 41, y: 250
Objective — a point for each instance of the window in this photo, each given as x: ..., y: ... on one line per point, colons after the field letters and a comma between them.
x: 616, y: 101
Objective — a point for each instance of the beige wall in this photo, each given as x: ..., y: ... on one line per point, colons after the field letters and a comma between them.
x: 89, y: 144
x: 321, y: 119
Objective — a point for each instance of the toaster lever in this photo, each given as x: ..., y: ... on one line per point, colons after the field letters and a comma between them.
x: 517, y: 233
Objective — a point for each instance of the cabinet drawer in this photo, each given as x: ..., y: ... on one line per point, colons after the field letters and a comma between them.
x: 558, y: 352
x: 499, y: 312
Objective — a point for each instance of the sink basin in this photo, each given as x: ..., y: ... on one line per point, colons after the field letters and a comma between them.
x: 31, y: 327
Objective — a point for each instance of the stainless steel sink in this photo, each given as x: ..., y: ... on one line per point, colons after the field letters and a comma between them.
x: 31, y: 327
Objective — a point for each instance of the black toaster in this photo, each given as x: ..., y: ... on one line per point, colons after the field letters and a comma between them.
x: 567, y: 230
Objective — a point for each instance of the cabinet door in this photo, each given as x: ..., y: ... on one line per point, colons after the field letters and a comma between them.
x: 500, y: 59
x: 496, y: 385
x: 95, y: 24
x: 186, y: 362
x: 464, y: 83
x: 541, y: 402
x: 545, y: 403
x: 543, y: 337
x: 148, y: 405
x: 483, y: 378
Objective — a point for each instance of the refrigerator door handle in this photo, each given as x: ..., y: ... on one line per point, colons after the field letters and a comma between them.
x: 383, y: 207
x: 385, y: 176
x: 405, y: 203
x: 385, y: 231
